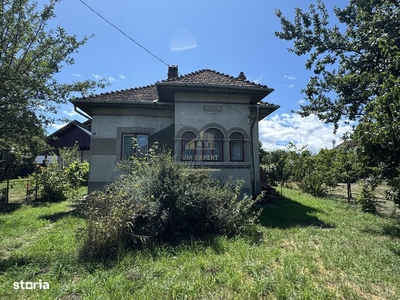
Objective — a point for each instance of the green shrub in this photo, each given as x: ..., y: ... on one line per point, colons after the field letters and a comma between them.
x: 52, y: 182
x: 158, y: 201
x: 77, y: 173
x: 62, y: 179
x: 367, y: 197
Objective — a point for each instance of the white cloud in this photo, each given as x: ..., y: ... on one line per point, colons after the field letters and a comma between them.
x: 97, y: 76
x: 122, y: 76
x: 277, y: 131
x: 76, y: 75
x: 258, y: 80
x: 301, y: 102
x: 71, y: 112
x: 289, y: 77
x: 291, y: 86
x: 112, y: 79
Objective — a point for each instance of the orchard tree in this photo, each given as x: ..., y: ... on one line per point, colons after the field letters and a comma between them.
x: 31, y: 54
x: 356, y: 72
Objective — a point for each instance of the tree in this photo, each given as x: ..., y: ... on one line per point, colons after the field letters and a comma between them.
x: 356, y: 66
x: 31, y: 55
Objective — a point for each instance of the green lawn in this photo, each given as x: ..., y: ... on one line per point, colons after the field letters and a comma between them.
x: 308, y: 248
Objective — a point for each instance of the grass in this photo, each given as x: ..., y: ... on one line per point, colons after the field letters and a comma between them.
x: 307, y: 248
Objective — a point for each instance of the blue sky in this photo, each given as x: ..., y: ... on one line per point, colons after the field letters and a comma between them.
x: 229, y: 36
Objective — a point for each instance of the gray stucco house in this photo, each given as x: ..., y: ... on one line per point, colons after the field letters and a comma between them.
x: 206, y: 118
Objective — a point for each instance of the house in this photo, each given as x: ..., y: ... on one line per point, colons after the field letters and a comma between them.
x: 66, y: 137
x: 206, y: 118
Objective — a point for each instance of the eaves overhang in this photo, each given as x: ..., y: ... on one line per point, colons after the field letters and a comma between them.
x: 263, y: 110
x: 87, y: 105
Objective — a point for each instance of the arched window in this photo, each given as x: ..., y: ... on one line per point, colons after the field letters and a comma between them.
x: 188, y: 146
x: 213, y: 145
x: 237, y: 146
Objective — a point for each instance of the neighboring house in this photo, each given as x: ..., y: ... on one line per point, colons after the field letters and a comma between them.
x: 206, y: 118
x: 66, y: 137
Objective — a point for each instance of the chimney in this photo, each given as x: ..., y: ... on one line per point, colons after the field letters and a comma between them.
x: 241, y: 76
x: 172, y: 72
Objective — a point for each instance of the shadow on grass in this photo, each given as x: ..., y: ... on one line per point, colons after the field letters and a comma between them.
x: 9, y: 208
x: 392, y: 230
x: 57, y: 216
x: 286, y: 213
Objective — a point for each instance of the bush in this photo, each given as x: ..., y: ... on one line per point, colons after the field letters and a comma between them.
x: 77, y: 173
x: 53, y: 183
x: 367, y: 198
x: 62, y: 179
x: 159, y: 201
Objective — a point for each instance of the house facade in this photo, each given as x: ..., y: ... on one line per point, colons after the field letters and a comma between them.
x: 206, y: 118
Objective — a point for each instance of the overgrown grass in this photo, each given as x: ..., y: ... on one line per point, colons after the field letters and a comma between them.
x: 308, y: 248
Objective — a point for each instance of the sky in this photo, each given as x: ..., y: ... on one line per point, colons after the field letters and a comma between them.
x: 228, y: 36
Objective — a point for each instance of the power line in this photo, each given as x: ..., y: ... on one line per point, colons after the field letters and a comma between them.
x: 148, y: 51
x: 145, y: 49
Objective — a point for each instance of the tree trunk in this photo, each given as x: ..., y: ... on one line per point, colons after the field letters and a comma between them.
x: 349, y: 196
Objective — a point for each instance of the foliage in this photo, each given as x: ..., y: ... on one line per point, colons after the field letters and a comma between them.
x: 62, y: 178
x: 367, y: 198
x: 30, y: 57
x: 159, y: 200
x: 20, y: 143
x: 273, y: 163
x: 394, y: 193
x: 356, y: 72
x: 53, y: 183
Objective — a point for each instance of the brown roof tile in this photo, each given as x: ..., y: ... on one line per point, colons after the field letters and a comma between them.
x: 149, y: 93
x: 141, y: 94
x: 212, y: 77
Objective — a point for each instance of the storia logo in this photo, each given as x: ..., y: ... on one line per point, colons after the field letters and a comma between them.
x: 28, y: 285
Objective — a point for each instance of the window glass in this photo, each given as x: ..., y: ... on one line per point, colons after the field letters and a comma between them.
x: 213, y: 145
x: 134, y: 145
x: 236, y: 145
x: 128, y: 146
x: 188, y: 146
x: 142, y: 144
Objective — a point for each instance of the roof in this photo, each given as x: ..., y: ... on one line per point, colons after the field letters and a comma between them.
x: 202, y: 81
x: 67, y: 127
x: 211, y: 77
x: 67, y: 135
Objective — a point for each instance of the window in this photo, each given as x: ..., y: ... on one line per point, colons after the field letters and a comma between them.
x: 236, y: 145
x: 134, y: 145
x: 189, y: 145
x: 213, y: 145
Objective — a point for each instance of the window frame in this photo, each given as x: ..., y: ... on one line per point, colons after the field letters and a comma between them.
x: 236, y: 140
x: 133, y: 135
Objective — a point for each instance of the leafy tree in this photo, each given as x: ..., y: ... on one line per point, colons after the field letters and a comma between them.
x: 273, y: 164
x: 356, y: 72
x: 31, y: 55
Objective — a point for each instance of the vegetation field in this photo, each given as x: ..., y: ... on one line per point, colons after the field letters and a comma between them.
x: 305, y: 248
x: 385, y: 207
